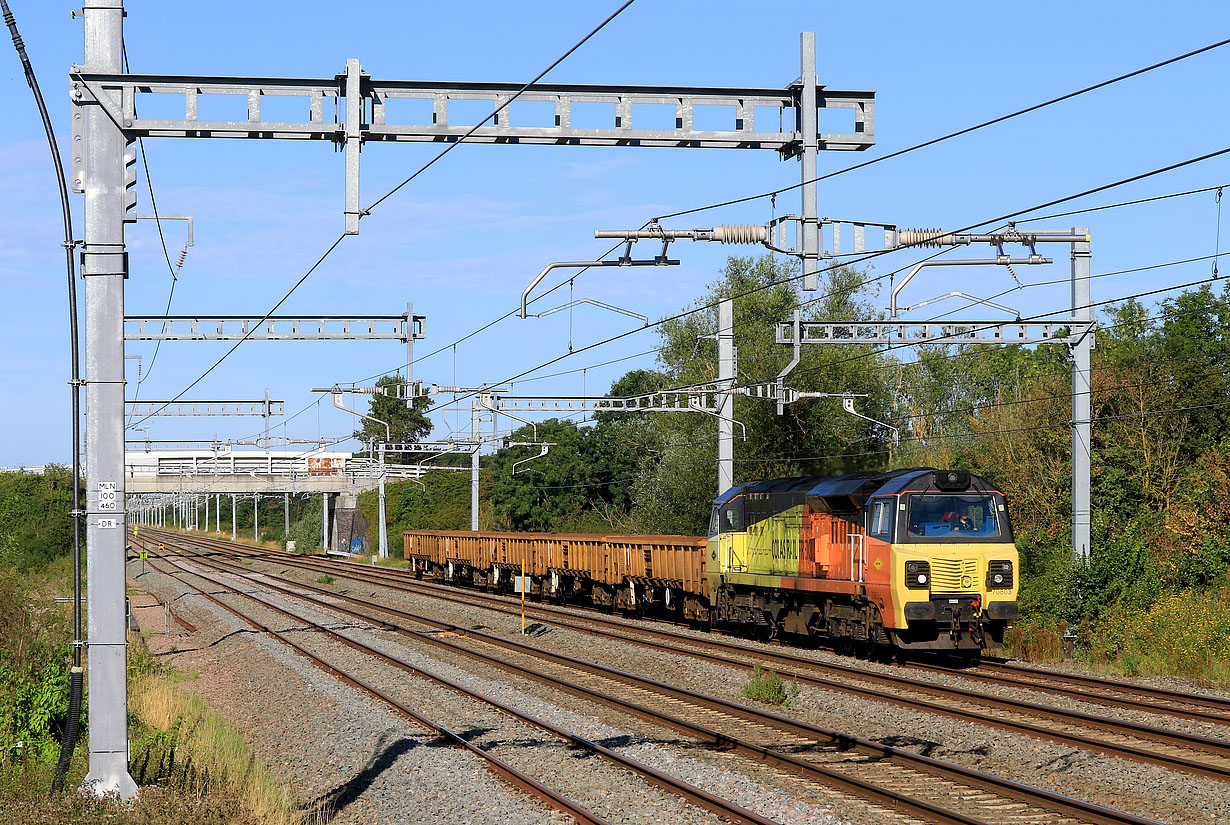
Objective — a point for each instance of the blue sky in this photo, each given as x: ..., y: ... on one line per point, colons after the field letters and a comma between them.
x: 464, y: 239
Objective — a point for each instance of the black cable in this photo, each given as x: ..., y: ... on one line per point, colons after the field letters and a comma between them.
x: 1126, y: 203
x: 1087, y: 210
x: 251, y: 329
x: 955, y: 134
x: 76, y: 676
x: 974, y: 329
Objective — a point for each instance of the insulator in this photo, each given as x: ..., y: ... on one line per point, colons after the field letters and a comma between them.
x: 183, y: 253
x: 924, y: 237
x: 740, y: 233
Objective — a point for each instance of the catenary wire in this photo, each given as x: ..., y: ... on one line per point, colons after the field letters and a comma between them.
x: 967, y: 130
x: 869, y: 256
x: 1031, y: 218
x: 380, y: 200
x: 773, y: 194
x: 872, y: 255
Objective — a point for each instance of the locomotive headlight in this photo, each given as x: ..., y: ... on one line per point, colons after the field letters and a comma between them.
x: 922, y: 578
x: 999, y: 573
x: 917, y: 574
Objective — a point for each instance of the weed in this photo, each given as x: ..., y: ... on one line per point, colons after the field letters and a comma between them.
x: 325, y: 579
x: 769, y: 688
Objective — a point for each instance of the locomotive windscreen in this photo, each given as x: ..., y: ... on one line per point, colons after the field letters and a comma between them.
x: 953, y: 516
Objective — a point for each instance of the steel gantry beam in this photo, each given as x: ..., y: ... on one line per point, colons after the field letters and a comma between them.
x: 406, y: 328
x: 934, y: 332
x: 757, y: 118
x: 272, y: 328
x: 702, y: 398
x: 783, y: 120
x: 202, y: 408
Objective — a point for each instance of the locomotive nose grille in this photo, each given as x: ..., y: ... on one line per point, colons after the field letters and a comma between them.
x: 954, y: 575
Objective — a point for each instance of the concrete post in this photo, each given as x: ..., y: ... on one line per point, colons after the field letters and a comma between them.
x: 726, y: 402
x: 105, y: 267
x: 324, y: 521
x: 232, y: 516
x: 1081, y: 399
x: 256, y: 516
x: 218, y: 513
x: 286, y: 512
x: 383, y: 529
x: 206, y: 497
x: 809, y: 128
x: 474, y: 466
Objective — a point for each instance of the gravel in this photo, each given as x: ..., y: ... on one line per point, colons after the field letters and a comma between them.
x: 607, y: 792
x: 357, y: 761
x: 1144, y: 790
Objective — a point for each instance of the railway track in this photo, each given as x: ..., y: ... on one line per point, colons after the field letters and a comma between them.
x: 1093, y: 689
x: 902, y: 780
x: 724, y: 808
x: 1198, y: 755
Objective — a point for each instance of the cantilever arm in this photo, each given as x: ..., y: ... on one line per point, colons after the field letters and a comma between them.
x: 525, y: 294
x: 847, y: 404
x: 487, y: 402
x: 337, y: 402
x: 545, y: 445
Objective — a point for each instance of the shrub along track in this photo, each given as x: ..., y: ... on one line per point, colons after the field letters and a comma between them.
x: 519, y: 780
x: 895, y: 778
x: 1148, y: 744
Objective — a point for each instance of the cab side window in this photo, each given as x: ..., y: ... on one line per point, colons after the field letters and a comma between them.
x: 881, y: 521
x: 732, y: 518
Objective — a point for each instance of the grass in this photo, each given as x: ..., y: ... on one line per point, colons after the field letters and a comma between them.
x: 1182, y: 634
x: 325, y: 579
x: 768, y: 687
x: 176, y: 725
x: 192, y: 766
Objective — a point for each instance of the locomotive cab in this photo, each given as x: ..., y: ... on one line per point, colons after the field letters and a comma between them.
x: 955, y: 564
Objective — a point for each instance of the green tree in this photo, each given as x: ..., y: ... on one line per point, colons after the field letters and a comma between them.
x: 547, y: 489
x: 811, y: 437
x: 407, y: 423
x: 442, y: 503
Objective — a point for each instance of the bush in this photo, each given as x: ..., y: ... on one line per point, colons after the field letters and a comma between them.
x: 325, y: 579
x: 35, y: 527
x: 1183, y: 633
x: 769, y: 688
x: 305, y: 531
x: 34, y: 670
x: 1037, y: 640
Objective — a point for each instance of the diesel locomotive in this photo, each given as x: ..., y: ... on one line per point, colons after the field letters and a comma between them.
x: 907, y: 560
x: 917, y: 559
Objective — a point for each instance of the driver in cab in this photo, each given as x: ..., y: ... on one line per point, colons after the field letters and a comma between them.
x: 958, y: 516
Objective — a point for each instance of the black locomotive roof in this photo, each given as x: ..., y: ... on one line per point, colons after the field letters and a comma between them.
x: 844, y: 492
